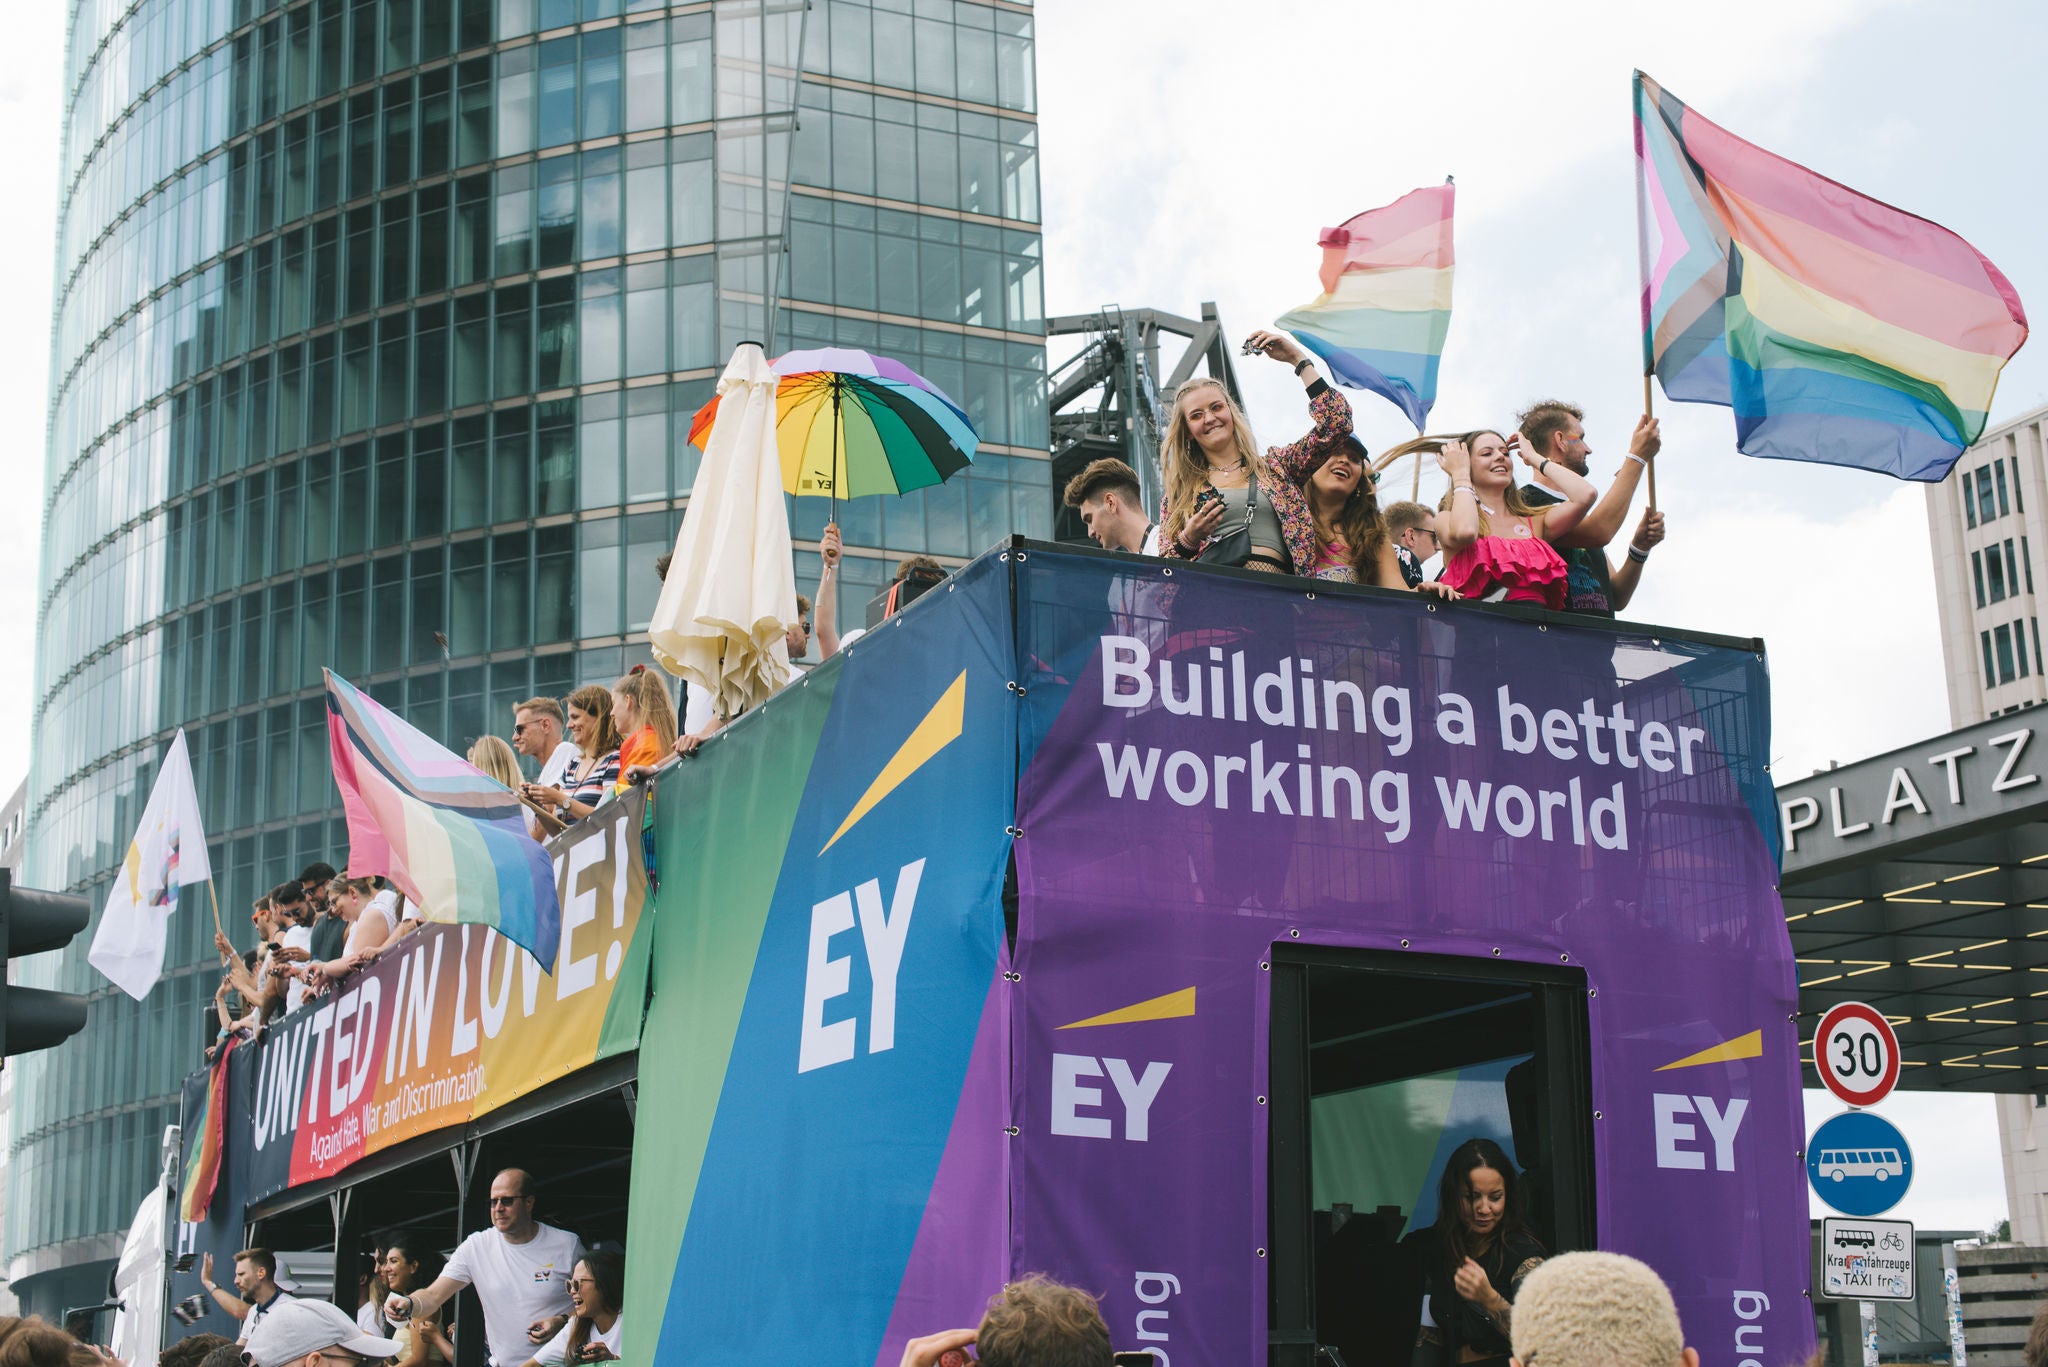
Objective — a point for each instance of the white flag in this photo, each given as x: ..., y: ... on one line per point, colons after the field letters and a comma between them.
x: 168, y: 852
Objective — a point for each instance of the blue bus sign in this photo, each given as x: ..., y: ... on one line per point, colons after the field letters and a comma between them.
x: 1859, y: 1163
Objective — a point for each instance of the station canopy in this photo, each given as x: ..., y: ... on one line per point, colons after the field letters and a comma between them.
x: 1917, y: 881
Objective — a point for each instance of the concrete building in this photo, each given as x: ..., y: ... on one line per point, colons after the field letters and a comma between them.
x: 378, y: 327
x: 1983, y: 522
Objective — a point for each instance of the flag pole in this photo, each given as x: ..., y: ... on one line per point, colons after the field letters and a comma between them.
x: 1650, y: 465
x: 1643, y: 261
x: 833, y: 515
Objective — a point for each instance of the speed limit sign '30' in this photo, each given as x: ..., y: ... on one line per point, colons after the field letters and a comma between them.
x: 1856, y: 1054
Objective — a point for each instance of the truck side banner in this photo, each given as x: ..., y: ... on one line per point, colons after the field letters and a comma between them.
x: 818, y: 1155
x: 1221, y: 771
x: 456, y: 1022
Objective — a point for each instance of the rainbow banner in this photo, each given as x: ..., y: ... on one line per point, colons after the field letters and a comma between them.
x: 451, y: 838
x: 203, y: 1159
x: 1840, y: 329
x: 1379, y: 323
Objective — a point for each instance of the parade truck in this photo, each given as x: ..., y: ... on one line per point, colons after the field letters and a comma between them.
x: 1156, y: 927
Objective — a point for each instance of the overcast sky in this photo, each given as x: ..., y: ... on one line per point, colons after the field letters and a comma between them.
x: 1193, y: 150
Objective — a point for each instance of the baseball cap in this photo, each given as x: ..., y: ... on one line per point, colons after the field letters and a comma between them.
x: 291, y: 1331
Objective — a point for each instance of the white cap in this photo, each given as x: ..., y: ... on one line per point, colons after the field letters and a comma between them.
x: 297, y: 1328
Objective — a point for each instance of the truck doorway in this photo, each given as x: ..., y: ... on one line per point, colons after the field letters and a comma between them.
x: 1381, y: 1065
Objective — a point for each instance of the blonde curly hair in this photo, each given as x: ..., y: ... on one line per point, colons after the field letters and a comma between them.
x: 1596, y: 1310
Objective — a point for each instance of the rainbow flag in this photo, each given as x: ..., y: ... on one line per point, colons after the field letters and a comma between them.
x: 203, y: 1151
x: 452, y: 838
x: 1380, y: 321
x: 1839, y: 329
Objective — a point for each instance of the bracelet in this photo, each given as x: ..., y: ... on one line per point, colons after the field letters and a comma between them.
x: 1637, y: 553
x: 1457, y: 489
x: 1544, y: 466
x: 1304, y: 361
x: 1630, y: 455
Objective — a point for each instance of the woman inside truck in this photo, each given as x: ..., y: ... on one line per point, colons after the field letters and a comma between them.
x: 1475, y: 1258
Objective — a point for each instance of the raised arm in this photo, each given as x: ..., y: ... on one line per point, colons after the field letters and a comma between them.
x: 1623, y: 575
x: 1330, y: 410
x: 1457, y: 526
x: 825, y: 612
x: 1557, y: 521
x: 1599, y: 526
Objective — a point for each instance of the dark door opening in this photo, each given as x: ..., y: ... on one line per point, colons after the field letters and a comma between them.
x: 1381, y: 1065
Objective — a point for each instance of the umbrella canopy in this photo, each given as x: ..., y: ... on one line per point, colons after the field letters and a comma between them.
x: 849, y: 424
x: 730, y: 593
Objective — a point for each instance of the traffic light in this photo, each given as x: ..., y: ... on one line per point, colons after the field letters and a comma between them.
x: 33, y: 922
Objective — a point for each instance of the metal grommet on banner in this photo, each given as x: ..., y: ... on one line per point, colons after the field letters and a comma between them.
x: 1262, y: 1253
x: 1012, y: 1131
x: 1265, y: 967
x: 1311, y: 598
x: 1564, y: 958
x: 1004, y: 556
x: 1012, y: 976
x: 1404, y: 944
x: 1015, y: 687
x: 1592, y: 991
x: 1294, y: 935
x: 1262, y: 1101
x: 1543, y: 626
x: 1014, y: 832
x: 1496, y: 951
x: 1596, y: 1115
x: 1168, y: 571
x: 1022, y: 557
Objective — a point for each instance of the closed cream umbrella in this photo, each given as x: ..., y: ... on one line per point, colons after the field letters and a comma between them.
x: 730, y: 594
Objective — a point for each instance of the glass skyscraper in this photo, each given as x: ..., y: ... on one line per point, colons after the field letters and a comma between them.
x: 378, y: 328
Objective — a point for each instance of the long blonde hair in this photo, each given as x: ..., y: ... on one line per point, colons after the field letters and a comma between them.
x: 492, y: 755
x: 1181, y: 462
x: 649, y: 692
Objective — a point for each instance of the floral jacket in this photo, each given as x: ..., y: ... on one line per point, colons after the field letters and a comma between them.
x: 1289, y: 467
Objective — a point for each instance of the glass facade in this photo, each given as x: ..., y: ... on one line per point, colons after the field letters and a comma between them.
x: 379, y: 325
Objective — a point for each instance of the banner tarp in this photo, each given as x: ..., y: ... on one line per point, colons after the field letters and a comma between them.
x: 818, y: 1154
x: 1216, y: 767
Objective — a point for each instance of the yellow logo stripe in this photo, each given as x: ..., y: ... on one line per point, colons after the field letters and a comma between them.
x: 940, y: 728
x: 1750, y: 1045
x: 1168, y: 1007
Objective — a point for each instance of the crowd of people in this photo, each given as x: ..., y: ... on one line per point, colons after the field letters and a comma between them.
x: 1311, y: 508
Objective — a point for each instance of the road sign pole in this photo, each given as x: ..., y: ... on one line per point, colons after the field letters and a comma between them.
x: 1958, y: 1352
x: 1868, y: 1310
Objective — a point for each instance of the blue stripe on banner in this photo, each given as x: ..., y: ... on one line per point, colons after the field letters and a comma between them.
x: 1403, y: 378
x: 1819, y: 416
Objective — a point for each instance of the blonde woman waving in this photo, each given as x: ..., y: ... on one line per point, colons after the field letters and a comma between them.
x: 1225, y: 503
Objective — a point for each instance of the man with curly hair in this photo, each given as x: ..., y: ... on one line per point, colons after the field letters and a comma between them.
x: 1597, y: 1310
x: 1033, y: 1322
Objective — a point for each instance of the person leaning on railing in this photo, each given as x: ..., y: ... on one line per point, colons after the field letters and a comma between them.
x: 595, y: 771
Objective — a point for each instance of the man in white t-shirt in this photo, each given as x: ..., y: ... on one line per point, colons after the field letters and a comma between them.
x: 519, y: 1267
x: 537, y: 730
x: 255, y: 1280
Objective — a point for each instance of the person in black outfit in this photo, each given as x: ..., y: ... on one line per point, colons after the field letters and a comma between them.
x: 1476, y: 1255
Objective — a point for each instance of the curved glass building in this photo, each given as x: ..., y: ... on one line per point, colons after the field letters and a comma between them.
x: 378, y: 327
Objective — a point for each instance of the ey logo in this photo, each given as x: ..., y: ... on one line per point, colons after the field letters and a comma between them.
x: 1681, y: 1116
x: 1079, y: 1107
x: 884, y: 930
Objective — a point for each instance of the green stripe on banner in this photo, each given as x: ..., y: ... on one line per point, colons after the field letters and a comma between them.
x: 719, y: 864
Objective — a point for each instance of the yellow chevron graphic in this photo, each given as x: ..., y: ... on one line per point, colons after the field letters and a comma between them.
x: 940, y: 728
x: 1168, y: 1007
x: 1750, y: 1045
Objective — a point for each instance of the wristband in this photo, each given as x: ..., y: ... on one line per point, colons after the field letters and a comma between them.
x: 1457, y: 489
x: 1306, y: 360
x: 1630, y: 455
x: 1544, y: 466
x: 1637, y: 553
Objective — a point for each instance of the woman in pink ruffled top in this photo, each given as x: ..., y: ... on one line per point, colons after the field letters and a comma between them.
x: 1495, y: 546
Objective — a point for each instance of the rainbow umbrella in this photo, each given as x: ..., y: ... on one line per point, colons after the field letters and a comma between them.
x: 849, y: 424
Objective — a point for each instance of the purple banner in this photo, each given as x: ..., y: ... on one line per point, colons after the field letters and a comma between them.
x: 1218, y: 767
